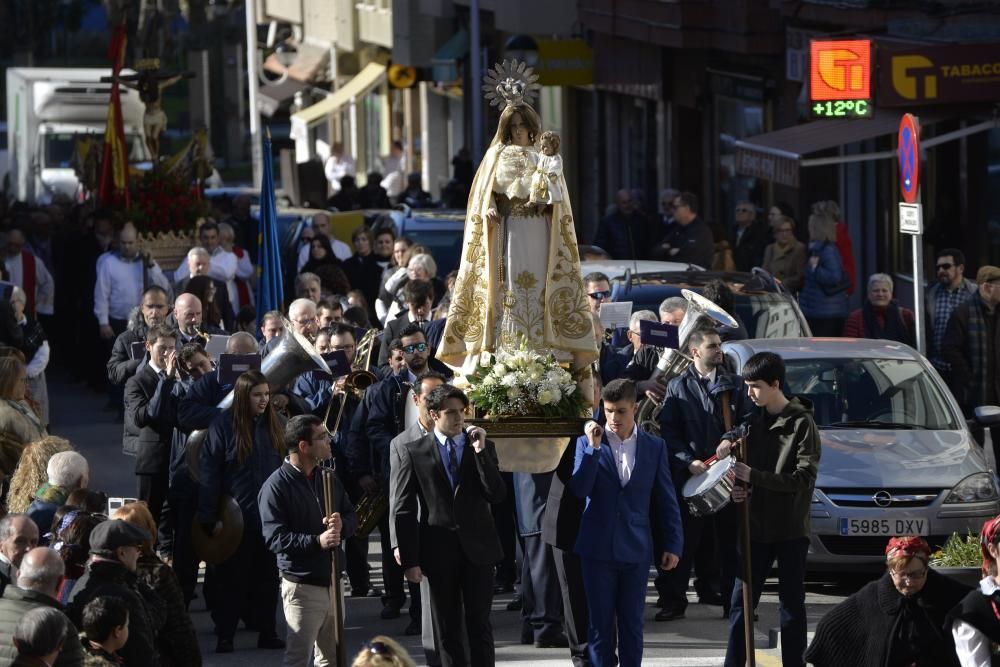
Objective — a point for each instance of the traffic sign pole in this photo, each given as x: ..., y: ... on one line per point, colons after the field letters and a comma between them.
x: 911, y: 214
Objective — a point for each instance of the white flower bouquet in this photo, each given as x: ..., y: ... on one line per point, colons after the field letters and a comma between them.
x: 525, y: 383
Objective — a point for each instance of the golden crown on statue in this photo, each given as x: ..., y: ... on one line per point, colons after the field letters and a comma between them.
x: 510, y: 83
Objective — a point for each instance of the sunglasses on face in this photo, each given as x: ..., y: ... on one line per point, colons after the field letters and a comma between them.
x: 600, y: 295
x: 944, y: 266
x: 416, y: 347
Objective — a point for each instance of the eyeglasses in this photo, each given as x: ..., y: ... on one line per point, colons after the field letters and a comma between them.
x: 597, y: 296
x: 909, y: 576
x: 305, y: 323
x: 416, y: 347
x: 343, y: 347
x: 323, y: 437
x: 944, y: 266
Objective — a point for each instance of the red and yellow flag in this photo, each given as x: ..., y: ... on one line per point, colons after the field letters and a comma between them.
x: 114, y: 163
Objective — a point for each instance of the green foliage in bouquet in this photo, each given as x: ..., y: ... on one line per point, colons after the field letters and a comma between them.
x: 959, y: 551
x: 525, y: 383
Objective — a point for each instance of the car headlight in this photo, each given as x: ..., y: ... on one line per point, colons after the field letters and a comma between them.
x: 973, y: 489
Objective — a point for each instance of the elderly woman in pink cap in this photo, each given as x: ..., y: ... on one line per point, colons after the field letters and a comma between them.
x: 895, y: 621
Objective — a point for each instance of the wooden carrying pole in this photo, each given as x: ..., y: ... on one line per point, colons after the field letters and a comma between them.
x: 330, y: 507
x: 748, y: 610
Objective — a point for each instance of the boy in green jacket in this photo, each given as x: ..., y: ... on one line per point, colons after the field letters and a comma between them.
x: 784, y: 451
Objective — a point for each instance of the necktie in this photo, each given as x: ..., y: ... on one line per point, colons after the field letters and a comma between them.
x: 449, y: 445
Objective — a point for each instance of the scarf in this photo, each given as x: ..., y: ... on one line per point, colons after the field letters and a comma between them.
x: 978, y: 354
x: 894, y: 328
x: 50, y: 493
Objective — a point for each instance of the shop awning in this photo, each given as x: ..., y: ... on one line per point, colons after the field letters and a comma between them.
x: 778, y: 156
x: 444, y: 62
x: 372, y: 75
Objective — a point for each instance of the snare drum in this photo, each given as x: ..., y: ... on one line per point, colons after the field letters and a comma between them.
x: 710, y: 491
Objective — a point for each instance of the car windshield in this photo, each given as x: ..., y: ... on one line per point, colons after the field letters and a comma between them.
x: 60, y: 148
x: 870, y: 393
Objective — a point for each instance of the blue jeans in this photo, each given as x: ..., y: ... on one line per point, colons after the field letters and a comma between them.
x: 791, y: 557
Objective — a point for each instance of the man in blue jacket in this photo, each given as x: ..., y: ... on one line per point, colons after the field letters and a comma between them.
x: 303, y: 537
x: 620, y: 472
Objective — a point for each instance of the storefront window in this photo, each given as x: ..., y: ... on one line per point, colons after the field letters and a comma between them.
x: 993, y: 197
x: 734, y: 119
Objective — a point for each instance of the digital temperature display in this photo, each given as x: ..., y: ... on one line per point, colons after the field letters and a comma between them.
x: 842, y: 109
x: 840, y: 74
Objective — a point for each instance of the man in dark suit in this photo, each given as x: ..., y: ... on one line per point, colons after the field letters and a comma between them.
x: 148, y: 425
x: 560, y: 527
x: 443, y: 488
x: 423, y: 425
x: 621, y: 472
x: 749, y: 238
x: 419, y: 296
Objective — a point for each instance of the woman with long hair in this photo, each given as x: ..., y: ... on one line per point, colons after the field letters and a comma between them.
x: 204, y: 288
x: 30, y: 473
x: 177, y: 641
x: 244, y: 445
x: 71, y: 538
x: 19, y: 424
x: 325, y: 264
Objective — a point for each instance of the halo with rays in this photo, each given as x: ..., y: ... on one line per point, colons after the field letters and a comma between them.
x: 510, y: 83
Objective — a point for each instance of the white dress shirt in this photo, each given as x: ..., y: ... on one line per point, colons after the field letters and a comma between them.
x: 119, y: 286
x: 972, y: 646
x: 624, y: 453
x: 45, y: 287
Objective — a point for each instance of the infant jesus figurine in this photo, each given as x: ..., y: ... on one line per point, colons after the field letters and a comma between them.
x: 545, y: 183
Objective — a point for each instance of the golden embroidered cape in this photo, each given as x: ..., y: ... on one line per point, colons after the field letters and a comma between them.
x: 477, y: 298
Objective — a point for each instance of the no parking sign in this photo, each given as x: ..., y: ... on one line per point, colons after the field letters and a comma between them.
x: 908, y: 154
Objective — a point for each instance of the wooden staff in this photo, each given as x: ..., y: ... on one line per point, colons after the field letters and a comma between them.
x: 741, y: 450
x: 330, y: 507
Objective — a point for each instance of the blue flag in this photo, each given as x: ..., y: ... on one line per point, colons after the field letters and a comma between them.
x: 270, y: 290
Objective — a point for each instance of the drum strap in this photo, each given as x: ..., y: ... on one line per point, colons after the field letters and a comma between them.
x: 727, y: 411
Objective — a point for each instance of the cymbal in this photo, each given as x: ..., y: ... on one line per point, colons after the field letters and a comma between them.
x: 215, y: 549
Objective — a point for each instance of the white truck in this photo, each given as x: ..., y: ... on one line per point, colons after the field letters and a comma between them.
x: 46, y: 109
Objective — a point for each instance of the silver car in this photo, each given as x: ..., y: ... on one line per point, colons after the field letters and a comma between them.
x: 897, y: 454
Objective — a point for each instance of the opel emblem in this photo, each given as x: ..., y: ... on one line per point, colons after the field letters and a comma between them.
x: 882, y: 498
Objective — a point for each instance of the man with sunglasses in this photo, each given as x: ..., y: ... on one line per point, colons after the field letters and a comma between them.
x: 951, y: 290
x: 381, y: 417
x: 750, y: 237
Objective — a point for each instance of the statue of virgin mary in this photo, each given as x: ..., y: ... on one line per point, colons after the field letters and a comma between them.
x: 519, y: 280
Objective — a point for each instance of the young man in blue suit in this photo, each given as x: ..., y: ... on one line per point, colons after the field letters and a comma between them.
x: 619, y: 473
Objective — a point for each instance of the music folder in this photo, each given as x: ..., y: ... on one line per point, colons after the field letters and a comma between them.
x: 231, y: 366
x: 338, y: 363
x: 658, y: 335
x: 216, y: 346
x: 137, y: 350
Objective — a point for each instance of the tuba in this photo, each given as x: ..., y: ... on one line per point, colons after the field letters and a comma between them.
x: 674, y: 362
x: 294, y: 356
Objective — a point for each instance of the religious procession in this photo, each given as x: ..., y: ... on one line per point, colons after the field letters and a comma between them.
x: 462, y: 333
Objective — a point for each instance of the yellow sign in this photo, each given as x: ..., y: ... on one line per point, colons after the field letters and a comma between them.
x: 564, y: 62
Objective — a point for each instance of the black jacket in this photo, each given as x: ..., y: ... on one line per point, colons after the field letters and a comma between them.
x: 381, y: 417
x: 222, y: 474
x: 145, y: 608
x: 859, y: 630
x: 6, y: 575
x: 561, y: 522
x: 958, y: 349
x: 196, y: 409
x: 121, y: 365
x: 222, y: 302
x: 624, y: 237
x: 424, y: 509
x: 10, y: 333
x: 149, y: 421
x: 691, y: 421
x: 292, y: 518
x: 748, y: 252
x: 695, y: 243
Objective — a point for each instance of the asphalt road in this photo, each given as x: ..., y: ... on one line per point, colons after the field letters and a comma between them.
x: 699, y: 640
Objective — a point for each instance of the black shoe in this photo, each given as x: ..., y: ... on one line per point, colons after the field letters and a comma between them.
x: 515, y: 604
x: 414, y: 628
x: 389, y: 612
x: 711, y: 598
x: 555, y: 641
x: 224, y: 646
x: 669, y: 614
x: 660, y: 602
x: 366, y: 593
x: 273, y: 641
